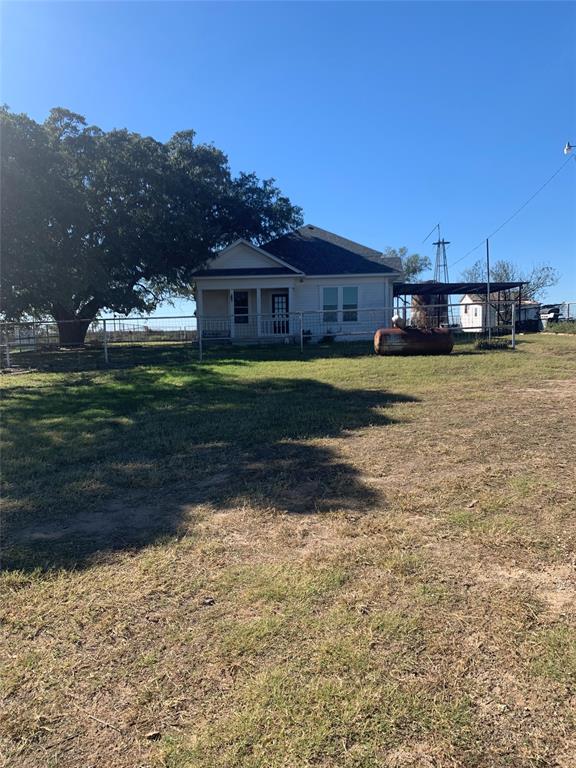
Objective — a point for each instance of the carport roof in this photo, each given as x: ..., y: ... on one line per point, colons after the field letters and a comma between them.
x: 450, y: 289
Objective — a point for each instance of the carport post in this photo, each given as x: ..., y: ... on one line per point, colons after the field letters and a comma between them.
x: 513, y: 325
x: 105, y: 342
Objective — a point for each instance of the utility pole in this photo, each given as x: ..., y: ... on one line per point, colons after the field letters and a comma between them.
x: 488, y: 290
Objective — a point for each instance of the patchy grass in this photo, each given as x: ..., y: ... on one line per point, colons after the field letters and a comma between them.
x: 328, y: 561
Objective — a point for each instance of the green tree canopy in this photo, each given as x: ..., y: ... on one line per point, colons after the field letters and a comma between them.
x: 412, y: 264
x: 95, y: 220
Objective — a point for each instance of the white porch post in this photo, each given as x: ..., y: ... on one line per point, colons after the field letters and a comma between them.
x: 291, y: 299
x: 199, y: 311
x: 231, y: 311
x: 258, y: 311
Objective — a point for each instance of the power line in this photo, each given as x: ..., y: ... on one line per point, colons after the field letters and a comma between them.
x: 436, y: 226
x: 516, y: 212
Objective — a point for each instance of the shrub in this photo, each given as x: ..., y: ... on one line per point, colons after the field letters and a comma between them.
x: 491, y: 344
x: 328, y: 338
x: 566, y: 326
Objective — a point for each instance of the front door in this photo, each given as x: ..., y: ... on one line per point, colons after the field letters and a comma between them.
x: 280, y: 310
x: 241, y: 314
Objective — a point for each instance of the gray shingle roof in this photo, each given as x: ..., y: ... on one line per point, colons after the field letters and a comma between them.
x: 316, y: 251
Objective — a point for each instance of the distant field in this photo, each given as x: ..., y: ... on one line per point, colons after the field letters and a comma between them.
x: 340, y: 560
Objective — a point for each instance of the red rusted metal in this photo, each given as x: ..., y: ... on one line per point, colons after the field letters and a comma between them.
x: 413, y: 341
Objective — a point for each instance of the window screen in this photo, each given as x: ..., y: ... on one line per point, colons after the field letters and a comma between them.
x: 350, y: 305
x: 330, y: 305
x: 240, y: 307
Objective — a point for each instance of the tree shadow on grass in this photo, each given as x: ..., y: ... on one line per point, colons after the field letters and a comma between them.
x: 111, y: 463
x: 91, y: 358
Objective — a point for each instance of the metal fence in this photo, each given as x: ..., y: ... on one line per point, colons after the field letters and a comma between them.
x: 38, y: 341
x: 114, y: 340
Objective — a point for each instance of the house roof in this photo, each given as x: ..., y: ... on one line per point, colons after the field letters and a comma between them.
x: 315, y: 251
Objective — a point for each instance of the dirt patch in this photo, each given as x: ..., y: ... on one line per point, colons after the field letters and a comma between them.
x: 555, y: 586
x: 115, y: 517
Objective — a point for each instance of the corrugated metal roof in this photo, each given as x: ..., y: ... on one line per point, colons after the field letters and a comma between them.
x: 450, y: 289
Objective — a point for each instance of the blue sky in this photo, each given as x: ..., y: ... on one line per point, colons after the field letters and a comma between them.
x: 379, y: 119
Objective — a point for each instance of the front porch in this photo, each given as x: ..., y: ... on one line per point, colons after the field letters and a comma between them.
x: 246, y: 313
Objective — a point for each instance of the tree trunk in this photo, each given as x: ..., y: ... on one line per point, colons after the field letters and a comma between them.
x: 72, y: 333
x: 71, y: 328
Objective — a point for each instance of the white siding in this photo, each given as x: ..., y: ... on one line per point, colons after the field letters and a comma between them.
x: 373, y: 292
x: 267, y: 299
x: 215, y: 303
x: 243, y: 256
x: 375, y: 305
x: 245, y: 283
x: 473, y: 320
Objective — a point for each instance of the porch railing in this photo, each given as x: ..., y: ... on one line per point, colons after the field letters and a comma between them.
x: 313, y: 324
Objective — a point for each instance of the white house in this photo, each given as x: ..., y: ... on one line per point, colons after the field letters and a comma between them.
x: 308, y: 281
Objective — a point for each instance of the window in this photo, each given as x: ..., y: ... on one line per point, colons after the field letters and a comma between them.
x: 465, y: 309
x: 330, y: 304
x: 350, y: 305
x: 240, y: 307
x: 475, y: 311
x: 343, y: 299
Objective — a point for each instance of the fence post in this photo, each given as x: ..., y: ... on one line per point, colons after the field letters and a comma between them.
x: 301, y: 332
x: 105, y: 342
x: 199, y: 326
x: 7, y: 338
x: 513, y: 325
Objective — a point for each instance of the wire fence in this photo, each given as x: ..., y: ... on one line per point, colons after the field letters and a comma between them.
x: 130, y: 340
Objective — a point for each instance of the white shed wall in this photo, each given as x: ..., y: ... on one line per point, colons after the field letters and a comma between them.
x: 242, y: 256
x: 473, y: 320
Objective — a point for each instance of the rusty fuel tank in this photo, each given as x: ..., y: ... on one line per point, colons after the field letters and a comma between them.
x: 413, y: 341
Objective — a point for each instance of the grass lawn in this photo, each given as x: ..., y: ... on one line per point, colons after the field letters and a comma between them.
x: 330, y: 561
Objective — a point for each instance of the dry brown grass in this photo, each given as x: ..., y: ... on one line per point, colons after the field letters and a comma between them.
x: 400, y: 594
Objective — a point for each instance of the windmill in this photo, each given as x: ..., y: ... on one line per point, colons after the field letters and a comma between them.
x: 444, y: 311
x: 441, y: 263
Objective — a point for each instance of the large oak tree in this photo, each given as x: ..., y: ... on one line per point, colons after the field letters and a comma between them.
x: 95, y: 220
